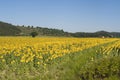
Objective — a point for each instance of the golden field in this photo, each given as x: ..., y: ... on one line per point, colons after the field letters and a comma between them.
x: 44, y: 49
x: 57, y: 58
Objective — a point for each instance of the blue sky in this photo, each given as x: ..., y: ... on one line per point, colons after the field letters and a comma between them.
x: 69, y: 15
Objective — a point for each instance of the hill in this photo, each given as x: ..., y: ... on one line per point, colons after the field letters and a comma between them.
x: 7, y: 29
x: 26, y: 30
x: 97, y: 34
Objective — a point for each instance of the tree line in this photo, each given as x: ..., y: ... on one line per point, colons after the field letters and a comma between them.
x: 7, y: 29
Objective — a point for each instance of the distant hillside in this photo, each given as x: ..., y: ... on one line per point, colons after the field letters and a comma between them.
x: 97, y: 34
x: 7, y: 29
x: 26, y: 30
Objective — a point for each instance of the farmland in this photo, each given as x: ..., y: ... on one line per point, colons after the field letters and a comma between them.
x: 59, y: 58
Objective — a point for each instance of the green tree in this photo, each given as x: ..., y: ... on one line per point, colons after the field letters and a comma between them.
x: 34, y: 34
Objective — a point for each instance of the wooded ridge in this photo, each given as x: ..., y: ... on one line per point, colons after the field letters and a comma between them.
x: 7, y: 29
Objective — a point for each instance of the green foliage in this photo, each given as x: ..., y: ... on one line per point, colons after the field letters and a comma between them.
x: 34, y: 34
x: 103, y: 68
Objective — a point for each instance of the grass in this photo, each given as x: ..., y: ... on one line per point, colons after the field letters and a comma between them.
x: 69, y: 66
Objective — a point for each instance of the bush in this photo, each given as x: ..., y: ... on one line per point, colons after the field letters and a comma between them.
x: 33, y: 34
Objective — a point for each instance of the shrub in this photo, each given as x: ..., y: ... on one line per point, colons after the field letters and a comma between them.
x: 33, y: 34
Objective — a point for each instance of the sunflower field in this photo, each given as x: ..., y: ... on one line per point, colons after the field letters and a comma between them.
x: 59, y: 58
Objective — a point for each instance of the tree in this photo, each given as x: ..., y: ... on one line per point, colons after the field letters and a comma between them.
x: 34, y: 34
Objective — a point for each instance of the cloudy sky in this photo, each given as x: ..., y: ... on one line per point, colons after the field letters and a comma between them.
x: 69, y: 15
